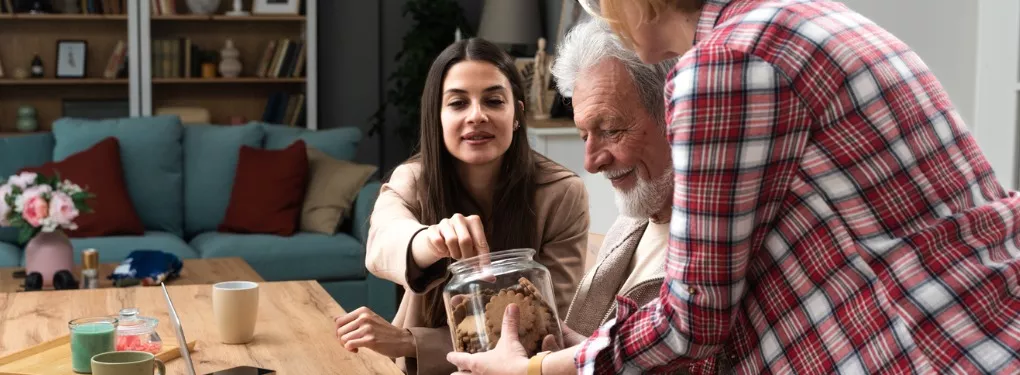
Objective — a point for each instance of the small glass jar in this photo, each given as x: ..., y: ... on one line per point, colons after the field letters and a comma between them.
x: 90, y: 336
x: 137, y: 333
x: 477, y: 296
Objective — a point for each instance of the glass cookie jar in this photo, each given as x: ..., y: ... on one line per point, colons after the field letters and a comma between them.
x: 137, y: 333
x: 477, y: 296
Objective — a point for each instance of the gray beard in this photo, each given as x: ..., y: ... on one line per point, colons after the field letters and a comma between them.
x: 647, y: 197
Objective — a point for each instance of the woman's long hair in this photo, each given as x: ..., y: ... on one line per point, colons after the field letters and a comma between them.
x: 512, y: 222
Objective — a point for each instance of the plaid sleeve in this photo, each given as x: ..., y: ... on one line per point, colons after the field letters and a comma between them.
x: 737, y: 130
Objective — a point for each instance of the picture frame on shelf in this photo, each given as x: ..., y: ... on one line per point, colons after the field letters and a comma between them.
x: 277, y: 7
x: 72, y: 58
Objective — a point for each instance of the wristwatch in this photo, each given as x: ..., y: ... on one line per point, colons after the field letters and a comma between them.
x: 535, y: 363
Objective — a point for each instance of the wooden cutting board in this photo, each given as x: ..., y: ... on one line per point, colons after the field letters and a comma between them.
x: 54, y: 358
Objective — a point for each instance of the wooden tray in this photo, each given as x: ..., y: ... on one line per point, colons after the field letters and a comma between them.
x: 54, y: 358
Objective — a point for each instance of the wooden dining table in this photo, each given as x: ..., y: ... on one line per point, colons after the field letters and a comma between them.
x: 294, y: 331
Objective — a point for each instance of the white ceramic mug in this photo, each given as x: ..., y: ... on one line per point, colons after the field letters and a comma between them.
x: 235, y: 307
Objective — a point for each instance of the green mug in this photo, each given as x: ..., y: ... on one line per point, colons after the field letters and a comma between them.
x: 126, y: 363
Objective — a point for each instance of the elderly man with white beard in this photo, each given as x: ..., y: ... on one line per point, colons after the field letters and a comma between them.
x: 619, y: 113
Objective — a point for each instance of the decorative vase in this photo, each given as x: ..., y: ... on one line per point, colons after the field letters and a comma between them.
x: 230, y: 66
x: 47, y: 253
x: 238, y: 10
x: 26, y: 119
x: 203, y: 6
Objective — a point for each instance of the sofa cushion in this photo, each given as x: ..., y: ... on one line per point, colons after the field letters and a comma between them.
x: 210, y: 160
x: 114, y: 249
x: 269, y: 186
x: 98, y: 170
x: 150, y: 150
x: 24, y: 151
x: 332, y: 186
x: 339, y: 143
x: 304, y: 256
x: 10, y: 255
x: 18, y: 152
x: 9, y: 235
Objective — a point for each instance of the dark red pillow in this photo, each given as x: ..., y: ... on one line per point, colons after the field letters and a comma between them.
x: 98, y: 170
x: 269, y: 187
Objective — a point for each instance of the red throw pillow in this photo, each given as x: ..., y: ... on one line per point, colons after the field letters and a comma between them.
x: 269, y: 188
x: 99, y: 171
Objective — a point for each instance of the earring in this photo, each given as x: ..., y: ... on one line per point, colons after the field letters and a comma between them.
x: 517, y: 125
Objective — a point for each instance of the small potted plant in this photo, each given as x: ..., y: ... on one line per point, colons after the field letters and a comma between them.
x: 42, y: 208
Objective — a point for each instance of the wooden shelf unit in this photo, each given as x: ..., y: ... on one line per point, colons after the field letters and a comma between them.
x: 64, y: 17
x: 23, y: 35
x: 221, y: 80
x: 246, y: 96
x: 62, y: 81
x: 224, y: 18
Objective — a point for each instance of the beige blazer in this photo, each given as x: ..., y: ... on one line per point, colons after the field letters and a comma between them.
x: 561, y: 204
x: 595, y: 300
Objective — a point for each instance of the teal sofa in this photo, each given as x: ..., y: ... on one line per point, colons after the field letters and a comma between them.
x: 179, y: 179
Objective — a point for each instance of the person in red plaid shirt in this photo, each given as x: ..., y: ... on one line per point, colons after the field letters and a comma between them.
x: 832, y: 213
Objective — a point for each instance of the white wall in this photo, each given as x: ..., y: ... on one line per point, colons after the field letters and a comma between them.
x: 565, y: 147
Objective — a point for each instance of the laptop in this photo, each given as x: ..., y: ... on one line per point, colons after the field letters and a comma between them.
x: 182, y: 343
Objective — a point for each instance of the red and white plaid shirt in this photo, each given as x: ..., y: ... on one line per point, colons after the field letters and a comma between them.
x: 831, y: 211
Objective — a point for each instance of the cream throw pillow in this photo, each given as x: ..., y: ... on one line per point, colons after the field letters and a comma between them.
x: 332, y: 187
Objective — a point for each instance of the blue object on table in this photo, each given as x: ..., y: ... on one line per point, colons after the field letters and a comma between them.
x: 146, y: 267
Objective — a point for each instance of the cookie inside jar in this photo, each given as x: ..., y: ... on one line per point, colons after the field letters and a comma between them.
x: 476, y: 305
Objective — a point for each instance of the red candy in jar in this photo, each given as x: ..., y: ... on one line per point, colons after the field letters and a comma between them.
x: 137, y: 333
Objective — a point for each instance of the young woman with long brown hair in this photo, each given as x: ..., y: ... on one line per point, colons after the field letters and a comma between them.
x: 474, y: 186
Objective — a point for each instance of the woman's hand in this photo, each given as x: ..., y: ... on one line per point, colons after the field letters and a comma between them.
x: 363, y: 328
x: 458, y: 237
x: 570, y: 338
x: 509, y: 356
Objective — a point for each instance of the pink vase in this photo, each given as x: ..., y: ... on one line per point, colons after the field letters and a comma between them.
x: 47, y: 253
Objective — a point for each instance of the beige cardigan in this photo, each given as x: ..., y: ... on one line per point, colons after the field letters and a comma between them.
x: 594, y: 304
x: 561, y: 204
x: 595, y: 300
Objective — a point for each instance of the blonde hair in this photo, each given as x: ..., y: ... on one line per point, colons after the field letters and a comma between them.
x: 611, y: 11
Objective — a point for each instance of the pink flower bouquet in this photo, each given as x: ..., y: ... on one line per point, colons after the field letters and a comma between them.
x: 32, y: 203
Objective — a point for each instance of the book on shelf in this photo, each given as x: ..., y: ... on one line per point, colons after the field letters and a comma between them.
x: 282, y: 58
x: 285, y: 109
x: 117, y: 61
x: 103, y: 6
x: 175, y: 58
x: 84, y: 7
x: 163, y: 7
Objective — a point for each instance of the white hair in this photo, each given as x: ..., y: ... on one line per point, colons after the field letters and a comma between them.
x: 591, y: 41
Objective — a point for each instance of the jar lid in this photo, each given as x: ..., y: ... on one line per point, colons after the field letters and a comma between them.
x: 130, y: 323
x: 478, y: 263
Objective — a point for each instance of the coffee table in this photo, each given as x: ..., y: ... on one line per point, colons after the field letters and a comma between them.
x: 293, y: 335
x: 194, y: 271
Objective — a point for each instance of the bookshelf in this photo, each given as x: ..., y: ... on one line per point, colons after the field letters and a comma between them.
x: 143, y: 86
x: 274, y: 79
x: 23, y: 35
